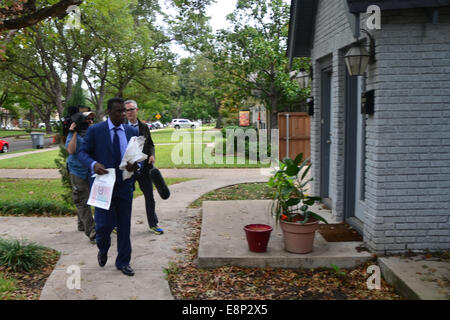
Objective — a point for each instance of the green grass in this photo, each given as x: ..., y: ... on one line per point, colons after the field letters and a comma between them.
x: 46, y: 160
x: 7, y: 286
x: 43, y: 160
x: 10, y: 133
x: 243, y: 191
x: 49, y: 189
x: 165, y: 135
x: 164, y: 158
x: 37, y: 197
x: 33, y: 197
x: 31, y: 189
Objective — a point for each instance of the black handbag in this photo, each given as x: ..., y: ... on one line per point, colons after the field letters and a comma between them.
x: 158, y: 180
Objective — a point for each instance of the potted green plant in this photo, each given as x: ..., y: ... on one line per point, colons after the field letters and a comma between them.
x: 290, y: 207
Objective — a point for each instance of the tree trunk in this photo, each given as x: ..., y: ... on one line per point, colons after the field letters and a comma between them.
x: 219, y: 116
x: 274, y: 111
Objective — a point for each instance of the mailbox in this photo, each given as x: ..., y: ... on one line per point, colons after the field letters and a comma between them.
x: 368, y: 102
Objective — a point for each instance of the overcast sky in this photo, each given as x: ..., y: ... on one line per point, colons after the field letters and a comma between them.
x: 218, y: 13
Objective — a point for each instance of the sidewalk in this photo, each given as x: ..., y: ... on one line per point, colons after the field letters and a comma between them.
x: 151, y: 253
x: 19, y: 154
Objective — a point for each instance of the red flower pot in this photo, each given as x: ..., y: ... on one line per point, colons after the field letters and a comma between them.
x: 257, y: 236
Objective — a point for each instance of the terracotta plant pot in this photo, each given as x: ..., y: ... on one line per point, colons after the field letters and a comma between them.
x: 257, y: 236
x: 299, y: 238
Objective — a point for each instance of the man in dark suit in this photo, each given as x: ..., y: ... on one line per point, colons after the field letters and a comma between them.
x: 143, y: 176
x: 104, y: 147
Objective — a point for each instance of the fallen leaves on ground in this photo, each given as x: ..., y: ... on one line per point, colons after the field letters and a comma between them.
x: 187, y: 281
x: 242, y: 191
x: 29, y: 284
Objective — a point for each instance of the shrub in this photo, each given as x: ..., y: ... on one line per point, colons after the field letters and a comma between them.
x: 248, y: 148
x: 26, y: 124
x: 21, y: 255
x: 61, y: 164
x: 40, y: 207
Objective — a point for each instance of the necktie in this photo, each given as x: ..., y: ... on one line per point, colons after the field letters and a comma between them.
x: 116, y: 148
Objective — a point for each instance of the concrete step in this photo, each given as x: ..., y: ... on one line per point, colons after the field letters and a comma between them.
x: 223, y: 240
x: 416, y: 277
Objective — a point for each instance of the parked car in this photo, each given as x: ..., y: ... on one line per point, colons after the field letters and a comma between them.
x: 150, y: 126
x: 4, y: 146
x: 41, y: 125
x: 183, y: 123
x: 157, y: 125
x: 6, y: 127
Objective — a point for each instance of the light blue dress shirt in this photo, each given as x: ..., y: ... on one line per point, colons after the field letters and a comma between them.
x: 122, y: 140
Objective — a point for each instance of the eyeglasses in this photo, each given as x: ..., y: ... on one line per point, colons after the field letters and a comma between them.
x: 132, y: 109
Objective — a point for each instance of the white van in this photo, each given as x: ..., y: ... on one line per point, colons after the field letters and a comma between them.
x: 183, y: 123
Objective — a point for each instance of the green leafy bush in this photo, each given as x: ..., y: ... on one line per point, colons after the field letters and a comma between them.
x: 248, y: 148
x: 21, y: 255
x: 61, y: 164
x: 40, y: 207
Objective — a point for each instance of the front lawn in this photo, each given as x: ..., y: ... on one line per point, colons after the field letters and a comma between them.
x: 41, y: 160
x: 37, y: 197
x: 243, y: 191
x: 164, y: 159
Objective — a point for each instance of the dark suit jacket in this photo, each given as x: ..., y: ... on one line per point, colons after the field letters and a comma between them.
x: 149, y: 146
x: 98, y: 146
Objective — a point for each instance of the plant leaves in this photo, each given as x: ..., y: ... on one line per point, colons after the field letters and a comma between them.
x: 292, y: 202
x: 318, y: 217
x: 292, y: 170
x: 298, y: 159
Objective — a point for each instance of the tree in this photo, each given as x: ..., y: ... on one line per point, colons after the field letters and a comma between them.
x: 252, y: 55
x: 32, y: 62
x: 127, y: 47
x: 18, y: 14
x: 194, y: 86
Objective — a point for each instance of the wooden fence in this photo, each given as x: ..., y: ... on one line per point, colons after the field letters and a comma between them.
x: 294, y: 134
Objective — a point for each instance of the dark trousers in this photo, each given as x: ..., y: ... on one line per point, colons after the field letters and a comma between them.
x: 80, y: 197
x: 145, y: 183
x: 118, y: 215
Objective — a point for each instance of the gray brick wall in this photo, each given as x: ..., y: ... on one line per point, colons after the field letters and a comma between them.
x: 332, y: 32
x: 407, y: 197
x: 408, y: 154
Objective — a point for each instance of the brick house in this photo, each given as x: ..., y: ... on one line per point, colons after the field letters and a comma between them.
x: 386, y: 171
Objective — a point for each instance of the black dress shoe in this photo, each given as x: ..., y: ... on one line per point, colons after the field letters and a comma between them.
x: 102, y: 258
x: 127, y: 270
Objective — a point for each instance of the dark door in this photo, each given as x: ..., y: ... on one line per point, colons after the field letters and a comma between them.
x: 325, y: 136
x: 354, y: 155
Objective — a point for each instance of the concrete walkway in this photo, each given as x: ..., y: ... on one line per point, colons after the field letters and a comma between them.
x: 19, y: 154
x: 151, y: 253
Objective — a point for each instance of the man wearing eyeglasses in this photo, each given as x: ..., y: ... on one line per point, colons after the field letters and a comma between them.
x: 143, y: 176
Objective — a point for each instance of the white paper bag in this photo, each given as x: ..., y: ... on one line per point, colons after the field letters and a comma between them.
x: 132, y: 154
x: 102, y: 189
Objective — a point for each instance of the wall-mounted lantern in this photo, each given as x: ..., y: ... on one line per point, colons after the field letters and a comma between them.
x: 358, y: 58
x: 302, y: 77
x: 310, y: 102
